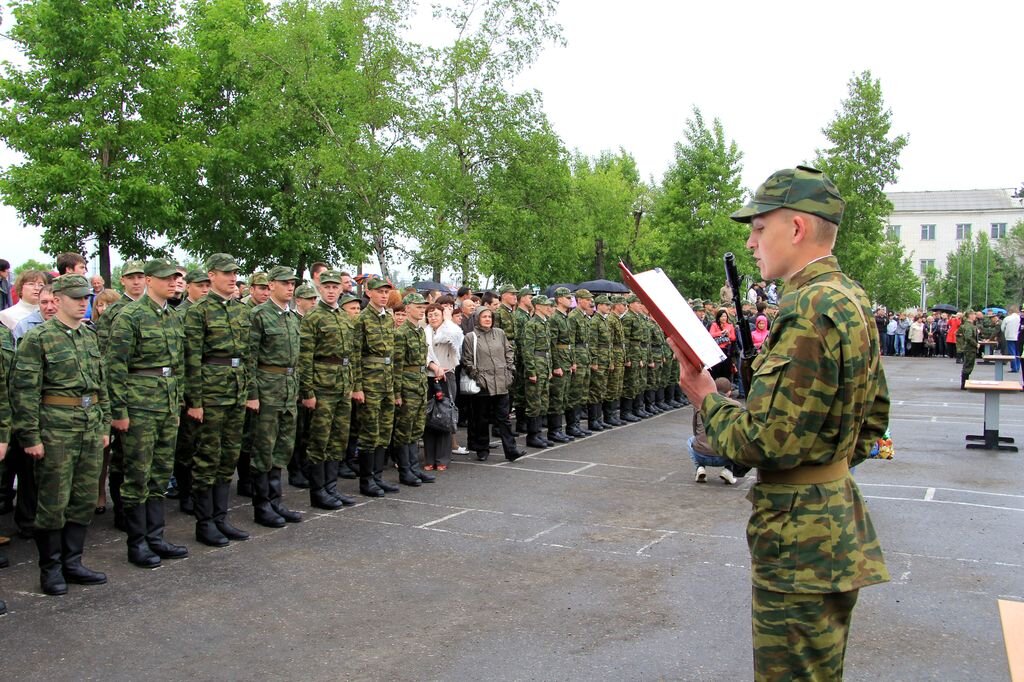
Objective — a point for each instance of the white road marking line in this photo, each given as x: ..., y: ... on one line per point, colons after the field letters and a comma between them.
x: 929, y: 494
x: 544, y: 532
x: 948, y: 490
x: 959, y: 559
x: 582, y: 468
x: 965, y: 504
x: 643, y: 550
x: 428, y: 524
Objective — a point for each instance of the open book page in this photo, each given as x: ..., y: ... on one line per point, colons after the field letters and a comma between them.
x: 676, y: 318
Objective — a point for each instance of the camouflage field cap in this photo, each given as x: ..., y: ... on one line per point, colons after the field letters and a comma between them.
x: 698, y: 307
x: 524, y: 292
x: 330, y: 277
x: 414, y: 299
x: 196, y: 275
x: 347, y: 298
x: 542, y: 300
x: 133, y: 267
x: 280, y: 273
x: 160, y: 267
x: 305, y: 291
x: 377, y: 283
x: 583, y: 293
x: 259, y: 279
x: 617, y: 299
x: 221, y: 262
x: 802, y: 189
x: 602, y: 298
x: 507, y: 289
x: 632, y: 298
x: 74, y: 286
x: 562, y: 292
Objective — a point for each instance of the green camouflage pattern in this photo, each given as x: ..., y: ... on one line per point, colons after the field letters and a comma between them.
x: 800, y: 636
x: 967, y: 344
x: 520, y: 318
x: 579, y: 333
x: 375, y: 339
x: 218, y: 442
x: 216, y: 327
x: 818, y: 395
x: 410, y: 383
x: 617, y: 372
x: 536, y: 350
x: 6, y: 367
x: 327, y: 332
x: 562, y: 353
x: 635, y: 333
x: 273, y: 342
x: 600, y: 357
x: 107, y: 319
x: 504, y: 319
x: 803, y: 189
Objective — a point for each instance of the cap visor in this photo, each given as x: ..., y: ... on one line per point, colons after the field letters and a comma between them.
x: 76, y: 292
x: 750, y: 211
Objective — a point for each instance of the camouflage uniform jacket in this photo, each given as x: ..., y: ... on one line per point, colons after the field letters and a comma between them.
x: 375, y: 339
x: 521, y: 318
x: 274, y: 343
x: 636, y: 338
x: 967, y: 337
x: 106, y: 321
x: 618, y: 339
x: 6, y: 367
x: 818, y: 394
x: 183, y: 306
x: 600, y: 340
x: 562, y: 351
x: 55, y: 360
x: 536, y: 344
x: 504, y: 319
x: 326, y: 333
x: 579, y: 332
x: 410, y: 361
x: 660, y: 351
x: 145, y: 336
x: 216, y: 328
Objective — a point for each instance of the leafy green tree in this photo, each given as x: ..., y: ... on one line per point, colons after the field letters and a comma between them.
x: 900, y: 288
x: 1010, y: 251
x: 691, y: 212
x: 86, y: 112
x: 33, y: 264
x: 862, y: 159
x: 973, y: 276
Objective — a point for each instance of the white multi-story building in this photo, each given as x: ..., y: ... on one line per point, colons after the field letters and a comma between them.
x: 931, y: 225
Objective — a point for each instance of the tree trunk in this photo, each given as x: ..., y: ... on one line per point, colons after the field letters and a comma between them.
x: 300, y: 266
x: 598, y: 258
x: 436, y: 276
x: 103, y: 251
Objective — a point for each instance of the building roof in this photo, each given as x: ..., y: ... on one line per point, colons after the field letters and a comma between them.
x: 955, y: 200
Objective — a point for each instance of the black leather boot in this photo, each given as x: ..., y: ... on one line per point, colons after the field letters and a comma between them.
x: 297, y: 466
x: 963, y: 382
x: 649, y: 402
x: 626, y: 411
x: 555, y: 432
x: 51, y: 579
x: 594, y: 422
x: 414, y: 464
x: 206, y: 531
x: 533, y: 437
x: 114, y: 480
x: 72, y: 544
x: 156, y: 522
x: 244, y: 488
x: 380, y: 460
x: 608, y: 406
x: 367, y: 485
x: 405, y: 473
x: 331, y: 468
x: 275, y: 490
x: 639, y: 408
x: 139, y: 552
x: 221, y: 497
x: 659, y: 399
x: 262, y: 512
x: 572, y: 424
x: 318, y: 495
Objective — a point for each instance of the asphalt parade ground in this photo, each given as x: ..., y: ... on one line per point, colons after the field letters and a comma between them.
x: 599, y: 559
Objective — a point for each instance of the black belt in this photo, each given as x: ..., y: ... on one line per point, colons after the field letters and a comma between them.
x: 277, y: 369
x: 540, y: 353
x: 222, y: 362
x: 332, y: 361
x: 153, y: 371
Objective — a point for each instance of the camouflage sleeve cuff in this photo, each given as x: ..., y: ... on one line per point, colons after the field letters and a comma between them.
x: 118, y: 412
x: 29, y: 439
x: 5, y: 435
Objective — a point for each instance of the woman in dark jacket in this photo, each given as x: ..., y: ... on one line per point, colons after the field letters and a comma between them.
x: 487, y: 358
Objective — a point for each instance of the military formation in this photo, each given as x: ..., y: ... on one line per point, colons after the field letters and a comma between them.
x: 178, y: 401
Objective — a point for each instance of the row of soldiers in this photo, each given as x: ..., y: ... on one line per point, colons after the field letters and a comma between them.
x: 606, y: 359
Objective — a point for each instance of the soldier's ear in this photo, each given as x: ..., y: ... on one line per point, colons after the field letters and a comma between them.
x: 801, y: 227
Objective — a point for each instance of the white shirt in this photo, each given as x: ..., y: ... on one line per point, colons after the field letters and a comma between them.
x: 16, y: 313
x: 1011, y: 327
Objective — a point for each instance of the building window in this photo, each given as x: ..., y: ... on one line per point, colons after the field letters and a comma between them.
x: 963, y: 231
x: 926, y: 265
x: 998, y: 230
x: 892, y: 231
x: 928, y: 233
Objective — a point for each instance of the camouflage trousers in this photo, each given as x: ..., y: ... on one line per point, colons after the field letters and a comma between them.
x: 411, y: 416
x: 67, y: 477
x: 598, y: 384
x: 800, y: 636
x: 558, y: 392
x: 970, y: 357
x: 149, y: 446
x: 633, y: 380
x: 218, y: 443
x: 273, y: 437
x: 185, y: 445
x: 329, y: 428
x: 376, y: 418
x: 537, y: 393
x: 615, y: 379
x: 579, y: 386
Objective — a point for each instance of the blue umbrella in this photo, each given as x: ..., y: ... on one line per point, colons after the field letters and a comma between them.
x: 994, y: 311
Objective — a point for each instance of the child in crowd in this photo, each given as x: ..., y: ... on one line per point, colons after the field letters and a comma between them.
x: 701, y: 452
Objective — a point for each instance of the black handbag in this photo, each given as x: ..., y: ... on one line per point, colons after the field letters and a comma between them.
x: 442, y: 415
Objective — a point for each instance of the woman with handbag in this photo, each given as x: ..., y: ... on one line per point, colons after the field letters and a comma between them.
x: 444, y: 341
x: 487, y: 366
x: 724, y: 334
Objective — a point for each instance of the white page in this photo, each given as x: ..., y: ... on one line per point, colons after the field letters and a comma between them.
x: 673, y: 306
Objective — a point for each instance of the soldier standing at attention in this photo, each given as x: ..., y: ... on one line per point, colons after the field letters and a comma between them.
x: 349, y: 467
x: 600, y: 363
x: 535, y: 341
x: 817, y: 402
x: 617, y: 372
x: 411, y: 391
x: 133, y: 281
x: 145, y: 358
x: 305, y: 301
x: 259, y: 293
x: 579, y: 382
x: 967, y: 344
x: 273, y: 396
x: 59, y: 398
x: 523, y: 312
x: 562, y: 365
x: 375, y: 388
x: 636, y: 365
x: 216, y: 388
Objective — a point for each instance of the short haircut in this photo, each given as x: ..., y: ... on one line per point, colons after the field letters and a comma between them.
x: 343, y: 273
x: 462, y: 292
x: 824, y: 231
x: 445, y: 300
x: 66, y: 262
x: 317, y: 267
x: 432, y: 307
x: 489, y: 296
x: 47, y: 289
x: 398, y: 308
x: 27, y: 276
x: 5, y: 265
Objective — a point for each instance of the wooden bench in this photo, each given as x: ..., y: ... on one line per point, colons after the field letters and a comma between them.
x: 1011, y: 613
x: 990, y: 439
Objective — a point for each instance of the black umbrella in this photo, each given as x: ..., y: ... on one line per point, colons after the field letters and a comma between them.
x: 603, y: 286
x: 550, y: 291
x: 944, y: 308
x: 431, y: 286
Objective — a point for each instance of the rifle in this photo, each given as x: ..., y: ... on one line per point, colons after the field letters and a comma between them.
x: 746, y: 341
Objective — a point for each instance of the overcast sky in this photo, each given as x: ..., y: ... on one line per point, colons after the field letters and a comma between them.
x: 775, y: 74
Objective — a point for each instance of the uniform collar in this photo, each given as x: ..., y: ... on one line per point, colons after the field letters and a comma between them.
x: 818, y: 267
